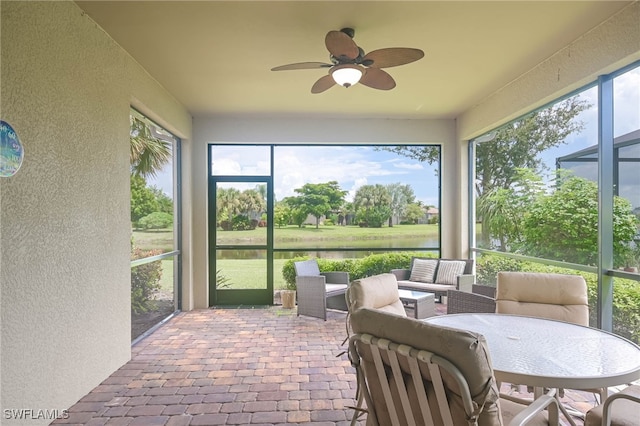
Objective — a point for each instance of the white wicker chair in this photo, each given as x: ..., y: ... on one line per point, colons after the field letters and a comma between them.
x: 318, y: 291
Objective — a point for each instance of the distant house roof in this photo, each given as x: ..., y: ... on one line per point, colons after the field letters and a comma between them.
x: 433, y: 210
x: 630, y: 138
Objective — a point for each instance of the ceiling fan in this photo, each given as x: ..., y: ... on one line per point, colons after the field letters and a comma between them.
x: 350, y: 65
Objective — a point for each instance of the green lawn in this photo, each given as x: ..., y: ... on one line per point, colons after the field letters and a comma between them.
x: 166, y: 281
x: 242, y: 273
x: 150, y: 240
x: 164, y: 239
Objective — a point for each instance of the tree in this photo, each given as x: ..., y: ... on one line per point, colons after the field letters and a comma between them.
x: 143, y: 199
x: 372, y: 205
x: 298, y: 211
x: 319, y: 199
x: 563, y: 225
x: 251, y: 202
x: 401, y: 197
x: 298, y: 216
x: 518, y: 145
x: 165, y: 203
x: 413, y: 213
x: 282, y: 215
x: 317, y: 205
x: 262, y: 190
x: 504, y: 209
x: 423, y: 153
x: 514, y: 146
x: 148, y: 154
x: 227, y: 206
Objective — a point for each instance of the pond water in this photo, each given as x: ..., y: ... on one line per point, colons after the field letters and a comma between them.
x: 331, y: 248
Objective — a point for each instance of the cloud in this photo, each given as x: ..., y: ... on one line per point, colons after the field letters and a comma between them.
x: 626, y: 102
x: 349, y: 166
x: 354, y: 188
x: 408, y: 166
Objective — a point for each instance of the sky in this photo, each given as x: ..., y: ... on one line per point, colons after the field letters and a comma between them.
x: 351, y: 166
x: 354, y: 166
x: 626, y: 118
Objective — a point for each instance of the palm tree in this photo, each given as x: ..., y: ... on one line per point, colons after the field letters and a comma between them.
x: 227, y: 203
x: 148, y: 153
x: 251, y: 201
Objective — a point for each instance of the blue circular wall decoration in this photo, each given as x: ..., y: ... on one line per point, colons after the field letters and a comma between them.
x: 11, y: 150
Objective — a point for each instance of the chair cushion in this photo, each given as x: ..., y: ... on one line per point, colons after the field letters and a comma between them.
x: 448, y: 271
x: 553, y: 296
x: 624, y: 412
x: 423, y: 270
x: 376, y: 292
x: 510, y: 409
x: 466, y: 350
x: 332, y: 289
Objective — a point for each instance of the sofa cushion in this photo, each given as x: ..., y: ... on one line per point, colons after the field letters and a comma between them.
x: 468, y: 268
x: 423, y: 270
x: 426, y: 287
x: 448, y: 271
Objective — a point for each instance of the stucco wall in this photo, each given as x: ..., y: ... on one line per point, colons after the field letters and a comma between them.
x: 606, y: 48
x: 64, y: 218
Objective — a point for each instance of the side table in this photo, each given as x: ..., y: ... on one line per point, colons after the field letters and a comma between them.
x: 423, y: 304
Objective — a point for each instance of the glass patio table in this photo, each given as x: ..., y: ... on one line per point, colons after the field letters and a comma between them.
x: 553, y: 354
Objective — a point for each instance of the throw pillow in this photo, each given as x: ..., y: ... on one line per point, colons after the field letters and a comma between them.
x: 448, y: 271
x: 423, y: 270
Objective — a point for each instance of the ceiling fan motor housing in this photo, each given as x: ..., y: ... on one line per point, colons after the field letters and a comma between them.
x: 349, y: 31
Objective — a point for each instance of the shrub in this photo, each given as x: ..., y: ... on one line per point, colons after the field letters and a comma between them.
x: 381, y: 263
x: 488, y: 267
x: 357, y: 268
x: 289, y: 272
x: 145, y: 281
x: 241, y: 223
x: 156, y: 220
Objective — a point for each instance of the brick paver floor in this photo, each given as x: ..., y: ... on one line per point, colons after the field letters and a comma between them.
x: 229, y: 367
x: 235, y: 367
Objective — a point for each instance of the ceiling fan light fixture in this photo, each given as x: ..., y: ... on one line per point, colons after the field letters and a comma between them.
x: 346, y: 75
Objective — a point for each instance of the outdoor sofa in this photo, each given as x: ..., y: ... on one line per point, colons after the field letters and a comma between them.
x: 437, y: 276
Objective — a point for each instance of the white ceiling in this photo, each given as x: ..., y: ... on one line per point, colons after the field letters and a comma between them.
x: 215, y: 57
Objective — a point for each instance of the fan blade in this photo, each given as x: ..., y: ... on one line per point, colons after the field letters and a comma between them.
x: 378, y: 79
x: 323, y: 84
x: 392, y: 57
x: 341, y: 45
x: 302, y: 66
